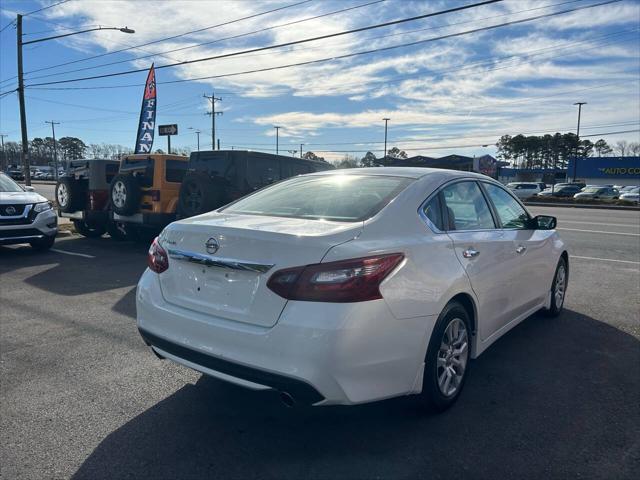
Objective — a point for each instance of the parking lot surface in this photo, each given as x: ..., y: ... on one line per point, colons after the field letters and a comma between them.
x: 82, y: 397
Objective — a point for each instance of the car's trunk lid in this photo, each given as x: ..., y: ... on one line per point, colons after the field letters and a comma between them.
x: 230, y: 282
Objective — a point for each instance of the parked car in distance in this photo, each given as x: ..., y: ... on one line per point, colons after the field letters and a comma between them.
x: 82, y: 194
x: 15, y: 173
x: 350, y: 286
x: 524, y: 190
x: 144, y: 194
x: 216, y: 178
x: 631, y: 195
x: 560, y: 190
x: 25, y: 216
x: 628, y: 188
x: 597, y: 193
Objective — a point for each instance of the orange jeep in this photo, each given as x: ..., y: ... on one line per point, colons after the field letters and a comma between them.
x: 144, y: 194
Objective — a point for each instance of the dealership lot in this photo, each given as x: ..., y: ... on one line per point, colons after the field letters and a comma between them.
x: 83, y: 397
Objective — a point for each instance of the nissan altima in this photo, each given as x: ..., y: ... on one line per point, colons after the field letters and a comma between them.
x: 351, y: 286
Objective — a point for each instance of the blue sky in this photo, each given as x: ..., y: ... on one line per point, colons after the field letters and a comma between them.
x: 447, y: 96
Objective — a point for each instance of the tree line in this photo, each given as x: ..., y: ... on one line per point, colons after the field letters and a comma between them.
x: 554, y: 151
x: 67, y: 148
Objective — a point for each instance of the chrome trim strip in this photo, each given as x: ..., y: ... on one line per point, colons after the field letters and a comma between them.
x: 26, y: 237
x: 24, y: 214
x: 218, y: 262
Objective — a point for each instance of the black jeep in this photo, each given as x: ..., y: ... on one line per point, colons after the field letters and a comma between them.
x: 215, y: 178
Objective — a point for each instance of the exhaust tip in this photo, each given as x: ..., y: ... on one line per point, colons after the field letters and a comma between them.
x: 287, y: 399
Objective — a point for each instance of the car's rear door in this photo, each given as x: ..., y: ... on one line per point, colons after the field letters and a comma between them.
x: 534, y: 267
x: 483, y: 250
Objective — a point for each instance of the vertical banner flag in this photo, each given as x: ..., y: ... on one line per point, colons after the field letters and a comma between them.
x: 146, y: 126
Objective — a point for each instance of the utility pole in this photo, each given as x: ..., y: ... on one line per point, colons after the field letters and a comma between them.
x: 55, y: 148
x: 575, y: 160
x: 386, y: 122
x: 3, y: 164
x: 301, y: 149
x: 277, y: 138
x: 213, y: 99
x: 23, y: 114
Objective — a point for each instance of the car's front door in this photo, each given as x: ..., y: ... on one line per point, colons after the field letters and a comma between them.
x: 533, y: 270
x: 483, y: 250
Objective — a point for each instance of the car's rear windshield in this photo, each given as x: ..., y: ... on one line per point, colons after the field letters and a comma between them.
x: 338, y: 198
x: 8, y: 185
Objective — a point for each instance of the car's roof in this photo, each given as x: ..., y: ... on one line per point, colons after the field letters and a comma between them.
x: 409, y: 172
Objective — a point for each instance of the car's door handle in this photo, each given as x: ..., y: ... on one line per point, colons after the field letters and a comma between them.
x: 470, y: 253
x: 521, y: 249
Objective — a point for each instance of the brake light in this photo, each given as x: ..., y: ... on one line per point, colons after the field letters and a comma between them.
x: 157, y: 259
x: 355, y: 280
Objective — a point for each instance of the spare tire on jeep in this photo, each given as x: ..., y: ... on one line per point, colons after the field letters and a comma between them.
x: 199, y: 194
x: 124, y: 194
x: 71, y: 194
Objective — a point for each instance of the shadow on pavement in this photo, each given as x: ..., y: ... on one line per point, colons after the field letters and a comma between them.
x: 114, y: 265
x: 555, y: 398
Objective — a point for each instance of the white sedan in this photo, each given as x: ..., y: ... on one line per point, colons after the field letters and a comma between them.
x: 350, y: 286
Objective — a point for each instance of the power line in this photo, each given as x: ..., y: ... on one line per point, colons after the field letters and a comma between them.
x: 394, y: 79
x: 45, y: 8
x: 174, y: 36
x: 206, y: 43
x: 438, y: 147
x: 287, y: 44
x: 338, y: 57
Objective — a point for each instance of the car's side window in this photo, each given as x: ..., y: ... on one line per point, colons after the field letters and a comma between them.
x: 466, y: 207
x: 510, y: 212
x: 433, y: 211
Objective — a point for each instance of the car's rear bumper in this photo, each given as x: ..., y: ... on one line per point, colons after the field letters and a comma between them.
x: 323, y: 353
x: 45, y: 224
x: 94, y: 216
x: 156, y: 220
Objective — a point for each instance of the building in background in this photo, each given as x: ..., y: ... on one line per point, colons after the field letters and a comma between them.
x: 606, y: 170
x: 485, y: 164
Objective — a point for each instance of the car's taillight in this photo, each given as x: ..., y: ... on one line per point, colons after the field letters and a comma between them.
x: 355, y: 280
x: 157, y: 260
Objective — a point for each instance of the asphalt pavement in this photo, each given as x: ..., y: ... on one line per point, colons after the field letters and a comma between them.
x: 82, y: 397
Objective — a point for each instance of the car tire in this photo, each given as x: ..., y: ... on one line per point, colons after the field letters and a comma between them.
x: 89, y: 230
x: 43, y: 243
x: 117, y: 230
x: 199, y: 194
x: 558, y: 288
x: 451, y: 334
x: 70, y: 194
x: 124, y: 194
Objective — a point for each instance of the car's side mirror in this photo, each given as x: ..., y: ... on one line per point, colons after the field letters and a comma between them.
x: 28, y: 189
x: 544, y: 222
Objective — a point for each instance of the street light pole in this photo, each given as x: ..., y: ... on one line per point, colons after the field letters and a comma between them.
x: 386, y: 122
x: 277, y: 139
x: 575, y: 160
x: 301, y: 149
x: 23, y: 115
x: 55, y: 148
x: 197, y: 132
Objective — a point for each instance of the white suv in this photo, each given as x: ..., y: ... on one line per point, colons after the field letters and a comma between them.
x: 524, y: 190
x: 25, y: 216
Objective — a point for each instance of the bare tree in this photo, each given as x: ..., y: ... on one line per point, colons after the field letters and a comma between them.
x: 621, y: 148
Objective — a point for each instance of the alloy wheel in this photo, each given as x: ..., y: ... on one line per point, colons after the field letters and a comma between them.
x: 560, y: 285
x: 119, y: 194
x: 452, y: 357
x: 63, y: 195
